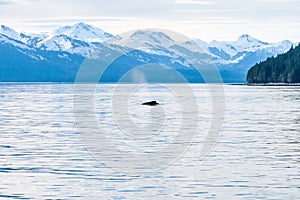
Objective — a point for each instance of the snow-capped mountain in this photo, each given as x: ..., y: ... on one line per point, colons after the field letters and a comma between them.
x: 145, y: 38
x: 81, y: 40
x: 84, y: 32
x: 232, y: 58
x: 228, y: 52
x: 9, y: 32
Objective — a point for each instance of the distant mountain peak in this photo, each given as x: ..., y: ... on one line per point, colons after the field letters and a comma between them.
x: 247, y: 38
x: 287, y: 42
x: 151, y: 34
x: 9, y: 32
x: 84, y: 26
x: 83, y: 31
x: 5, y: 28
x: 151, y: 38
x: 249, y: 43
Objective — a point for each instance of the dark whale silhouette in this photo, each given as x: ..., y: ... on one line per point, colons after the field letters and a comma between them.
x: 150, y: 103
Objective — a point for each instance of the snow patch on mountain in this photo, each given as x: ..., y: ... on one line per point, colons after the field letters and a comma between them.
x: 55, y: 43
x: 10, y: 41
x: 9, y: 32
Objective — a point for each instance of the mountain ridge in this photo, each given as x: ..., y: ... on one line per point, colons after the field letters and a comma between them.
x: 233, y: 59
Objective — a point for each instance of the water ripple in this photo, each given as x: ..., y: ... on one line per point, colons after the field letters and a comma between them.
x: 257, y: 157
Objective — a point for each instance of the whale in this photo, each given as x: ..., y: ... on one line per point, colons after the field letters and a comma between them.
x: 150, y: 103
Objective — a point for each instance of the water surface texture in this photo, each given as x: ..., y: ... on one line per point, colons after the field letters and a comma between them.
x: 43, y: 156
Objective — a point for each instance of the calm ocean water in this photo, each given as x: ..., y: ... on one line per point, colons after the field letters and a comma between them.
x: 43, y: 155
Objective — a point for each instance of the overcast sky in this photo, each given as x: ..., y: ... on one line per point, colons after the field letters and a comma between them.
x: 269, y: 20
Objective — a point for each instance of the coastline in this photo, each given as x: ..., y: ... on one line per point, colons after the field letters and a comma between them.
x: 273, y: 84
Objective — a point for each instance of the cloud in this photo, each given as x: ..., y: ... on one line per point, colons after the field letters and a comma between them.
x: 6, y: 2
x: 9, y: 2
x: 279, y: 1
x: 193, y: 17
x: 194, y: 2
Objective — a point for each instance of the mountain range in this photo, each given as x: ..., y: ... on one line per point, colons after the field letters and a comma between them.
x: 56, y: 56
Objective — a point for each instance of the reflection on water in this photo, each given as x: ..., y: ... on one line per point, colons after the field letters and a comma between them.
x: 257, y: 155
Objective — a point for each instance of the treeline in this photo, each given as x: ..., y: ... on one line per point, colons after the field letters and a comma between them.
x: 285, y: 68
